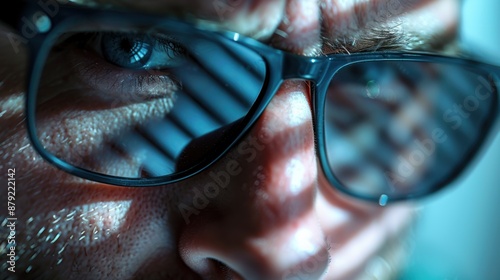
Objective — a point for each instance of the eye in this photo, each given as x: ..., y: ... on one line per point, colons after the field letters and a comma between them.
x: 114, y: 67
x: 139, y: 50
x: 127, y: 50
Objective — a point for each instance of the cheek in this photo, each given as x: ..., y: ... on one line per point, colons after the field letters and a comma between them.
x: 94, y: 228
x: 337, y: 212
x: 75, y: 226
x: 13, y: 56
x: 357, y: 231
x: 12, y: 81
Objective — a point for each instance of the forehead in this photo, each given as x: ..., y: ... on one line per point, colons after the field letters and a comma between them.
x: 256, y: 18
x: 212, y: 9
x: 302, y: 25
x: 215, y: 8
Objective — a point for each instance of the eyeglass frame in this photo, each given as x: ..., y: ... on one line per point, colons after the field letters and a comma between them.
x: 280, y: 66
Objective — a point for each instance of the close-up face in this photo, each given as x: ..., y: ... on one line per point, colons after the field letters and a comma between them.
x: 323, y: 161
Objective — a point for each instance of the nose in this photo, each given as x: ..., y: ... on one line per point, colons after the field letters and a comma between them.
x: 253, y: 218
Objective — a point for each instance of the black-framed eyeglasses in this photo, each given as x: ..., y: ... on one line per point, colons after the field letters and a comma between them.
x: 139, y: 100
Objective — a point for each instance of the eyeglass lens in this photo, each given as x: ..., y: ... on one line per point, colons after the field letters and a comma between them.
x: 403, y: 127
x: 139, y: 102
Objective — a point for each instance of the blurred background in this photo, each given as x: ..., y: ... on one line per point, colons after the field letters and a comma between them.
x: 458, y: 237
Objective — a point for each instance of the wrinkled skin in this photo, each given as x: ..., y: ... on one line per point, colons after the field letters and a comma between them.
x: 277, y: 218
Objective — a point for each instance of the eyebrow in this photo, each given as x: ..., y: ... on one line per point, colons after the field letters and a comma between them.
x: 367, y: 28
x: 382, y: 39
x: 386, y: 39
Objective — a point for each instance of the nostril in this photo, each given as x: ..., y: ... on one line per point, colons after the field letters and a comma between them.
x: 214, y: 269
x: 225, y: 272
x: 284, y: 265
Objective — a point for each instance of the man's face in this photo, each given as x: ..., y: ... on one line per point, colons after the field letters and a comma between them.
x: 278, y: 218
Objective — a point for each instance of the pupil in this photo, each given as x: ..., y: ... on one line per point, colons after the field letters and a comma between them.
x: 126, y: 45
x: 126, y: 50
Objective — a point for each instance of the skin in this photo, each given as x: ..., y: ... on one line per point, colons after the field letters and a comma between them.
x: 278, y: 218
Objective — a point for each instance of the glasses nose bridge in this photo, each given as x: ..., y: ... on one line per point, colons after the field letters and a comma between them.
x: 301, y: 67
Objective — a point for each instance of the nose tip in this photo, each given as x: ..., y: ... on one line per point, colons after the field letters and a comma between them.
x: 297, y: 251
